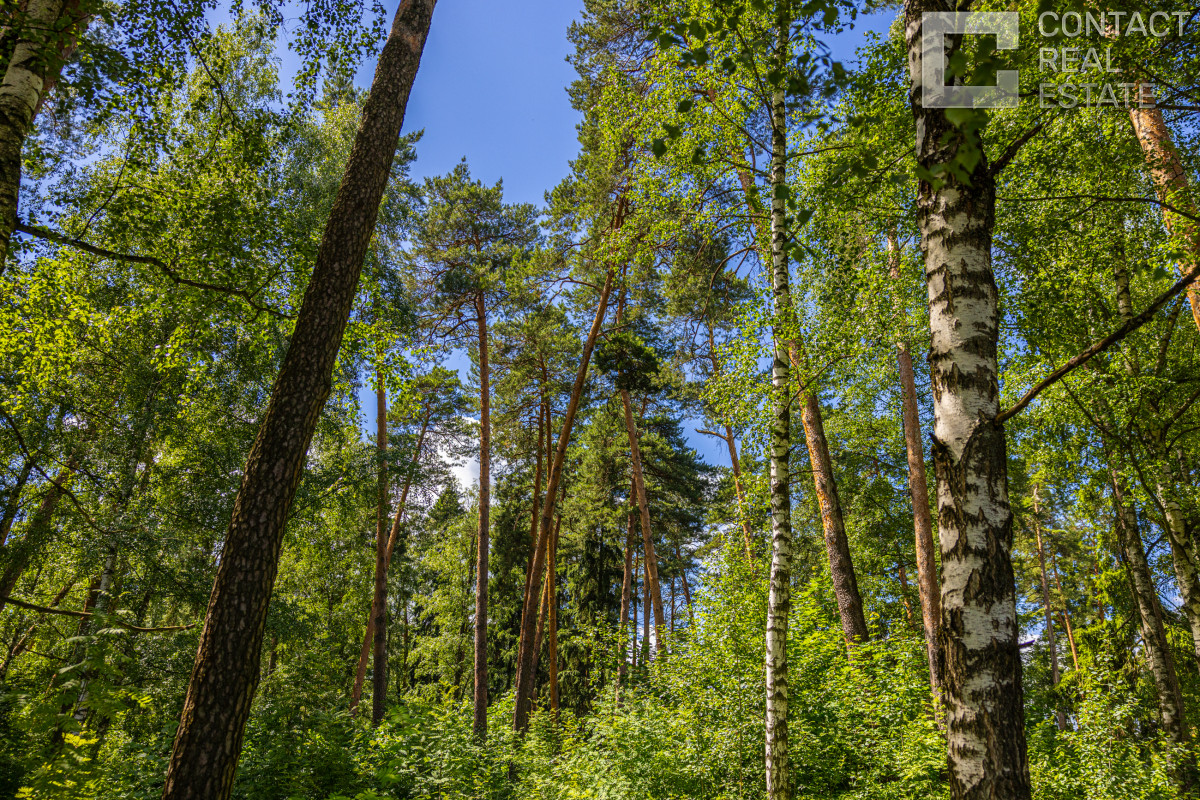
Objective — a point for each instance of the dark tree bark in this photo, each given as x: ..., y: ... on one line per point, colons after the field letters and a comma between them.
x: 485, y: 494
x: 14, y: 501
x: 226, y: 672
x: 379, y: 599
x: 837, y: 546
x: 980, y: 660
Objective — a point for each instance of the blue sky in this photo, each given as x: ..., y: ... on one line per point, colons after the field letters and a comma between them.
x: 492, y: 88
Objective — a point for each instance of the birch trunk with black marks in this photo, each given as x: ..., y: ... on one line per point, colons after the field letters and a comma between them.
x: 779, y: 597
x: 44, y: 39
x: 1150, y: 615
x: 918, y: 490
x: 980, y: 662
x: 479, y: 725
x: 526, y: 652
x: 225, y: 675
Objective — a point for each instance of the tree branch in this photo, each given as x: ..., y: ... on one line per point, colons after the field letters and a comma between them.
x: 85, y: 615
x: 1101, y: 345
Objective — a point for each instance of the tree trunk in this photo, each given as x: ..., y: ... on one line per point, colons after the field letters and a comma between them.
x: 980, y: 659
x: 779, y: 598
x: 639, y: 483
x: 526, y: 654
x: 918, y: 489
x: 378, y: 624
x: 16, y: 555
x: 1171, y: 180
x: 552, y: 615
x: 837, y: 546
x: 627, y: 579
x: 45, y: 38
x: 1187, y: 564
x: 209, y: 738
x: 485, y: 495
x: 1060, y: 717
x: 14, y: 501
x: 380, y: 601
x: 687, y: 594
x: 1154, y: 635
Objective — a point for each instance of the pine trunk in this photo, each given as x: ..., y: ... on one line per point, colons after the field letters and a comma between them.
x: 980, y: 660
x: 378, y: 624
x: 918, y: 489
x: 485, y: 500
x: 526, y: 653
x: 208, y: 741
x: 639, y: 484
x: 1171, y: 180
x: 837, y: 546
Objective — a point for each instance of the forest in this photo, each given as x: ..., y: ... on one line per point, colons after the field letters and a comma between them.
x: 830, y: 430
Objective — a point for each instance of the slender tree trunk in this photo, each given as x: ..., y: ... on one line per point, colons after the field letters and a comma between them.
x: 209, y: 738
x: 378, y: 624
x: 1060, y: 717
x: 779, y: 598
x: 980, y: 661
x: 639, y: 483
x: 1171, y: 180
x: 1154, y: 635
x: 526, y: 654
x: 485, y: 495
x: 687, y: 594
x: 918, y: 489
x: 1186, y: 559
x: 645, y: 614
x: 837, y: 546
x: 45, y: 37
x: 16, y: 555
x: 731, y: 443
x: 627, y: 579
x: 552, y: 616
x: 14, y: 502
x: 380, y: 601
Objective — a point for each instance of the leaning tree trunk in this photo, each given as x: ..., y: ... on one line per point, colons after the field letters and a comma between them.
x: 837, y: 545
x: 980, y: 659
x: 639, y: 484
x: 485, y: 494
x: 526, y: 652
x: 1171, y: 180
x: 1186, y: 561
x: 779, y: 598
x: 378, y: 624
x: 15, y: 556
x: 209, y: 739
x: 44, y: 40
x: 14, y: 501
x: 1150, y: 614
x: 918, y: 490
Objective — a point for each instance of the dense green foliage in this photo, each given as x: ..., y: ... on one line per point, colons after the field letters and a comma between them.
x: 180, y: 209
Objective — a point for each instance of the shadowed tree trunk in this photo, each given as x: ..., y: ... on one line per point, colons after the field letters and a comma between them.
x: 1154, y: 635
x: 209, y: 739
x: 14, y: 501
x: 378, y: 624
x: 980, y: 660
x: 16, y: 555
x: 837, y: 546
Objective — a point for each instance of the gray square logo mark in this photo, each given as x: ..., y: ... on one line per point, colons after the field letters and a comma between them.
x: 935, y: 27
